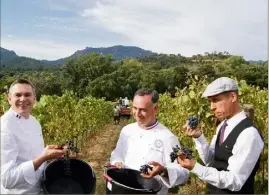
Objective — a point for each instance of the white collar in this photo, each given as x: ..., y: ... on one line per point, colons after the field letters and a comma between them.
x: 236, y: 119
x: 17, y: 115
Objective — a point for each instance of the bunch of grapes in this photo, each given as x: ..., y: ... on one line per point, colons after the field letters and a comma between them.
x: 174, y: 154
x: 144, y: 168
x: 193, y: 122
x: 176, y: 151
x: 67, y: 166
x: 70, y: 146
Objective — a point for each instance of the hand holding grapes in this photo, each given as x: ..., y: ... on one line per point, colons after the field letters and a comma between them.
x: 185, y: 162
x: 192, y: 127
x: 53, y: 152
x: 156, y: 169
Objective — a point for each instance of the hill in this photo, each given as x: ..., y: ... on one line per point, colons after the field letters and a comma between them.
x: 10, y: 59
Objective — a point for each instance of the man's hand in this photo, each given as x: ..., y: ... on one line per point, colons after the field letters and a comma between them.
x: 119, y: 165
x: 53, y: 152
x: 195, y: 133
x: 49, y: 153
x: 185, y: 163
x: 156, y: 169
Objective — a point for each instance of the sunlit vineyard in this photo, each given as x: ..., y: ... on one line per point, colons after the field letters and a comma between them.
x: 68, y: 117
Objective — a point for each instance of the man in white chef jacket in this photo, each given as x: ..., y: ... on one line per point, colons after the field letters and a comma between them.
x: 23, y: 155
x: 232, y: 159
x: 149, y: 142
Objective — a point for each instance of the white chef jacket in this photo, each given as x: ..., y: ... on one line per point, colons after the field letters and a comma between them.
x: 21, y: 142
x: 137, y: 146
x: 246, y: 152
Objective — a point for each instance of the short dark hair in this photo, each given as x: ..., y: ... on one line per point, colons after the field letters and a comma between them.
x: 146, y: 91
x: 22, y: 81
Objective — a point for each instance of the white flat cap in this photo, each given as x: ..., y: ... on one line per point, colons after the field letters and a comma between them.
x: 219, y: 86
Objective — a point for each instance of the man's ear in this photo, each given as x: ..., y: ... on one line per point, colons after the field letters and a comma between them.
x: 9, y: 98
x: 156, y: 108
x: 234, y: 97
x: 35, y: 100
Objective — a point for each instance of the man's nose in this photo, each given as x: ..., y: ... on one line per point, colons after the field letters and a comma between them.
x: 23, y: 98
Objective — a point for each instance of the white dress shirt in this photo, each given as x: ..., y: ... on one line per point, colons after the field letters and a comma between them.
x: 21, y: 142
x: 137, y: 146
x: 246, y: 152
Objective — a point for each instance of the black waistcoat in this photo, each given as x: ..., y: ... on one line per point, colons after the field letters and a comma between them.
x: 223, y: 153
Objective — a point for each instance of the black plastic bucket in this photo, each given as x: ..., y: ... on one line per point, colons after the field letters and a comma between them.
x: 129, y: 181
x: 81, y: 181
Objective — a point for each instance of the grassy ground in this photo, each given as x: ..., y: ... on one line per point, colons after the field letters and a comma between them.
x: 97, y: 150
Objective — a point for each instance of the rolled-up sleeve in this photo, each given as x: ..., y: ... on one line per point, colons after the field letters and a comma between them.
x: 12, y: 174
x: 176, y: 174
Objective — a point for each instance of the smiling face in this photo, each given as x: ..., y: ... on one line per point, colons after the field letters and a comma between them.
x: 144, y: 111
x: 224, y: 105
x: 21, y: 97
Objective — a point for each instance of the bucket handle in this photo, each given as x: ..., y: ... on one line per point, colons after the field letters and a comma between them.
x: 107, y: 177
x: 43, y: 178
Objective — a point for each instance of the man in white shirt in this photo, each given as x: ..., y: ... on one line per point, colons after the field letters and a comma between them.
x: 22, y: 147
x: 126, y: 102
x: 232, y: 158
x: 116, y: 115
x: 148, y: 142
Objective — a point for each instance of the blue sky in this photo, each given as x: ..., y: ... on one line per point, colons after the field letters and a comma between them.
x: 52, y: 29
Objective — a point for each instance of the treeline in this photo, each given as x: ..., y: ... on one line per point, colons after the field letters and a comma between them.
x: 100, y: 76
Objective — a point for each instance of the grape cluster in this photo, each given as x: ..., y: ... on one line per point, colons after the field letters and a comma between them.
x: 174, y: 154
x: 71, y: 147
x: 176, y: 151
x: 144, y: 168
x: 67, y: 167
x: 193, y: 122
x: 187, y: 152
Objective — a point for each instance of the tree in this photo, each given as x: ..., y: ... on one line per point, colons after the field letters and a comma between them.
x: 79, y: 72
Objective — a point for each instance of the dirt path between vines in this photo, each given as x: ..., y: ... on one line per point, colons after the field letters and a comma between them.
x: 97, y: 150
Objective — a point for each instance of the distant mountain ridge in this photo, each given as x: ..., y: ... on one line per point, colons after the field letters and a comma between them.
x: 10, y: 58
x: 118, y: 52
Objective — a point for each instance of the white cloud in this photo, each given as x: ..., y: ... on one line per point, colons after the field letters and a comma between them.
x: 188, y: 27
x: 39, y: 49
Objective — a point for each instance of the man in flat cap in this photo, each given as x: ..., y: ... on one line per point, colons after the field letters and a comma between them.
x: 232, y: 159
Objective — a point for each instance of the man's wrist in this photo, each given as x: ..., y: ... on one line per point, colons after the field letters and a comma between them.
x: 199, y: 133
x: 164, y: 172
x: 37, y: 162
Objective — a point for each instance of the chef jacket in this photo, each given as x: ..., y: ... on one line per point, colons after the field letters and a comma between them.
x: 21, y: 142
x: 137, y: 146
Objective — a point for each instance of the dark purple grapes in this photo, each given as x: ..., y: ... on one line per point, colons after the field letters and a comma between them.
x: 70, y: 146
x: 176, y: 151
x: 193, y: 122
x: 187, y: 152
x: 144, y: 169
